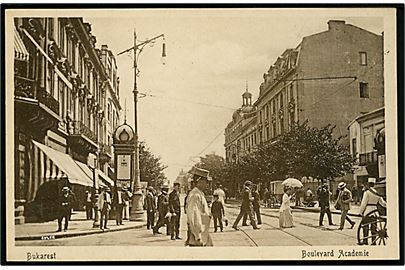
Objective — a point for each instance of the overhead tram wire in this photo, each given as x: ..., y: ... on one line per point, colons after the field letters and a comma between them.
x: 206, y: 147
x: 323, y: 97
x: 188, y: 101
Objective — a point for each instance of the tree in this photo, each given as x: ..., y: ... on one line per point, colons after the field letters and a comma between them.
x: 151, y: 168
x: 302, y: 151
x: 307, y: 151
x: 215, y: 164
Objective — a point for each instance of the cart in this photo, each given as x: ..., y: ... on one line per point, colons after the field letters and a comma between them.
x: 376, y: 221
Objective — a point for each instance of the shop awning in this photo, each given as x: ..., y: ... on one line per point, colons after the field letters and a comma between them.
x: 20, y: 52
x: 56, y: 164
x: 105, y: 180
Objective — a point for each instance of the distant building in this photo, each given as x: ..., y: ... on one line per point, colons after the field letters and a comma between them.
x: 364, y: 131
x: 329, y: 78
x: 240, y: 133
x: 61, y: 90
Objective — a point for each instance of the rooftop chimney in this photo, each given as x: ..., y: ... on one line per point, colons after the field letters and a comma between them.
x: 334, y: 24
x: 104, y: 47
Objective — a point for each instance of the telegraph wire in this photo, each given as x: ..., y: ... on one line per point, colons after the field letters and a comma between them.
x: 322, y: 98
x: 188, y: 101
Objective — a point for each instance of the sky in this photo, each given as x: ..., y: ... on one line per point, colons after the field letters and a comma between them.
x: 211, y: 56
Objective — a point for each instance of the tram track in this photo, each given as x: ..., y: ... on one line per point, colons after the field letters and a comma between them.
x: 273, y: 227
x: 286, y: 232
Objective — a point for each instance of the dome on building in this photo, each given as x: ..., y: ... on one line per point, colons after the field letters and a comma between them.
x: 248, y: 109
x: 123, y: 134
x: 236, y: 113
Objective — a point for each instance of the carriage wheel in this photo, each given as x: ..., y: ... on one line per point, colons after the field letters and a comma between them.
x: 379, y: 235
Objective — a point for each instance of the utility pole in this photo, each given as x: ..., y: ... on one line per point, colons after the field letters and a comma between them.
x: 137, y: 207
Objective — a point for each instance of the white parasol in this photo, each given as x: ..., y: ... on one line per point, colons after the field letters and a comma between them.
x: 292, y: 182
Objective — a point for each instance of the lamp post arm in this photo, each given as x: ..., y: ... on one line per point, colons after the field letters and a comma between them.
x: 135, y: 48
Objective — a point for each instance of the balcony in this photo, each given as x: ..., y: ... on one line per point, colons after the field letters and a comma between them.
x: 368, y: 158
x: 25, y: 88
x: 81, y: 138
x: 37, y: 109
x: 105, y: 153
x: 48, y: 100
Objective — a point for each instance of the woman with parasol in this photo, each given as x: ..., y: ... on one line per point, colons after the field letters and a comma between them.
x: 286, y: 218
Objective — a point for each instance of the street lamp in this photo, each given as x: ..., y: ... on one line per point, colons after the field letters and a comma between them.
x: 137, y: 209
x: 96, y: 223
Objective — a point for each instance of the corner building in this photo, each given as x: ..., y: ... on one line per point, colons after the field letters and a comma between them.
x: 329, y: 78
x: 62, y: 89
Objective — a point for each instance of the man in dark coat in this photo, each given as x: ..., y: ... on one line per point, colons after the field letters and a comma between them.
x: 217, y: 212
x: 175, y: 210
x: 65, y: 202
x: 118, y: 201
x: 150, y: 208
x: 324, y: 198
x: 246, y: 207
x: 163, y: 209
x: 256, y: 207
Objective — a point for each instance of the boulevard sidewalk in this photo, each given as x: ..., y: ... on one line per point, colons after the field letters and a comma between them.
x: 78, y: 226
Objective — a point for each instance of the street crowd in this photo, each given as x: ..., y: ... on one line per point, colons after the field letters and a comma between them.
x: 164, y: 210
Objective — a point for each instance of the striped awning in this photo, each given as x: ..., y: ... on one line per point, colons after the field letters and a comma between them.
x: 105, y: 180
x: 20, y: 52
x: 56, y: 165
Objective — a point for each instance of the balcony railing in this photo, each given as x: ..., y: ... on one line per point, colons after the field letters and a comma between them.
x: 105, y: 148
x: 48, y: 100
x: 367, y: 158
x: 78, y: 128
x: 25, y: 87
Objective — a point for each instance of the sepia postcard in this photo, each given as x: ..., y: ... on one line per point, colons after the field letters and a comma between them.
x: 201, y: 134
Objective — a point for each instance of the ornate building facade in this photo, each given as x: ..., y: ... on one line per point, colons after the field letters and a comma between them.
x: 62, y: 89
x: 240, y: 133
x: 329, y: 78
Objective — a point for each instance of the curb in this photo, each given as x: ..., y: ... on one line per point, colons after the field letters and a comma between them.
x: 67, y: 235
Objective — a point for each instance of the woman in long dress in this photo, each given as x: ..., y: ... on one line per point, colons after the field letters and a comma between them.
x: 286, y: 218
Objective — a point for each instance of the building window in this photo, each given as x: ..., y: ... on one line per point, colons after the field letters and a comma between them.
x: 109, y: 111
x: 281, y: 100
x: 291, y: 91
x: 61, y: 36
x: 363, y: 58
x: 50, y: 79
x: 50, y: 27
x: 364, y: 91
x: 354, y: 147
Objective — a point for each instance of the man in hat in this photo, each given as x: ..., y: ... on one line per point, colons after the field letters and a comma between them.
x: 344, y: 199
x: 246, y: 207
x: 221, y: 193
x: 324, y: 204
x: 65, y: 208
x: 104, y: 206
x: 89, y: 204
x: 163, y: 209
x: 369, y: 203
x: 127, y: 195
x: 175, y: 210
x: 198, y: 213
x: 118, y: 201
x: 150, y: 208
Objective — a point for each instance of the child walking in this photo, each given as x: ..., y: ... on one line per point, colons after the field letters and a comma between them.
x: 217, y: 211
